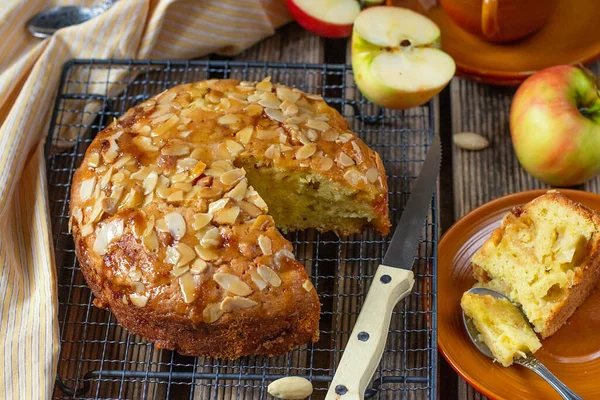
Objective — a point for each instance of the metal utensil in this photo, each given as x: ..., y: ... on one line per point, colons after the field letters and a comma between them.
x: 530, y: 361
x: 392, y: 282
x: 45, y: 23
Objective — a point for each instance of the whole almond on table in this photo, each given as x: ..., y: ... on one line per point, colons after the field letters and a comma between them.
x: 290, y: 388
x: 470, y: 141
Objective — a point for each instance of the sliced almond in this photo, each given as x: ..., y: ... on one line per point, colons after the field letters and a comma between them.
x: 163, y: 192
x: 318, y: 125
x: 344, y: 160
x: 175, y: 196
x: 206, y: 254
x: 330, y: 135
x: 286, y: 94
x: 249, y: 208
x: 325, y: 164
x: 165, y: 126
x: 94, y: 160
x: 265, y: 85
x: 264, y: 242
x: 291, y: 388
x: 217, y: 205
x: 86, y: 230
x: 87, y: 188
x: 372, y: 175
x: 212, y: 313
x: 186, y: 253
x: 122, y: 161
x: 201, y: 220
x: 106, y: 234
x: 227, y: 216
x: 172, y: 256
x: 306, y: 151
x: 245, y: 134
x: 232, y: 283
x: 235, y: 303
x: 258, y: 280
x: 187, y: 284
x: 266, y: 134
x: 470, y: 141
x: 275, y: 115
x: 175, y: 224
x: 269, y: 276
x: 354, y: 177
x: 238, y: 192
x: 198, y: 169
x: 150, y: 182
x: 178, y: 271
x: 253, y: 110
x: 138, y: 300
x: 307, y: 285
x: 232, y: 177
x: 269, y: 100
x: 173, y: 148
x: 151, y: 241
x: 144, y: 143
x: 229, y: 119
x: 208, y: 192
x: 198, y: 266
x: 272, y: 152
x: 209, y: 237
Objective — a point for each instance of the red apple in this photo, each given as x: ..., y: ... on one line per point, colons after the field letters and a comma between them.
x: 555, y: 125
x: 328, y: 18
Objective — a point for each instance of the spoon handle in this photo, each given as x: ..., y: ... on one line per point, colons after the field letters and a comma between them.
x: 536, y: 366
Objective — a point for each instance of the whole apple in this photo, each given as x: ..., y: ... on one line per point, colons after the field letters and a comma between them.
x: 555, y: 125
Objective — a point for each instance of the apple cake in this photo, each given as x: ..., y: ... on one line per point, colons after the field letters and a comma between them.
x: 175, y: 208
x: 544, y: 257
x: 501, y: 325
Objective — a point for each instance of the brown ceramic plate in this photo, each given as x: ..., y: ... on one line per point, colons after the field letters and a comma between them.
x: 572, y: 354
x: 569, y: 37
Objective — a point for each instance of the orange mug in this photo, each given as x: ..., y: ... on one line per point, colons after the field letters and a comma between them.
x: 499, y: 21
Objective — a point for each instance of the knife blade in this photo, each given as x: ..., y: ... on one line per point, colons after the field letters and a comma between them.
x: 392, y: 282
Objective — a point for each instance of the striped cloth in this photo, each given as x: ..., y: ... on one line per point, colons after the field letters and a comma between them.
x: 29, y: 75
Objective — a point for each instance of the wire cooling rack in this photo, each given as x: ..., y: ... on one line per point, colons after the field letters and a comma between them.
x: 99, y: 359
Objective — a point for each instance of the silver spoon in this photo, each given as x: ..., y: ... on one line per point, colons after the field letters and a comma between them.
x: 45, y: 23
x: 530, y: 361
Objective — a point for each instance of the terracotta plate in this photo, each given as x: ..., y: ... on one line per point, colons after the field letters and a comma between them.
x: 569, y: 37
x: 572, y: 354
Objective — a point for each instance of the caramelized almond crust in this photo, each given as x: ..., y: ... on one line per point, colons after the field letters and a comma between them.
x: 172, y: 238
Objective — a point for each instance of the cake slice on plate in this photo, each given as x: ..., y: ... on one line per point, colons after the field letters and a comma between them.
x: 545, y: 257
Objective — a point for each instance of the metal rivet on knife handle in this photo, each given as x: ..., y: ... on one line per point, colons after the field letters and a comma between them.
x: 386, y: 279
x: 363, y: 336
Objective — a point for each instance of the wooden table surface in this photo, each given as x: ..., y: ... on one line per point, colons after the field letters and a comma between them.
x: 467, y: 179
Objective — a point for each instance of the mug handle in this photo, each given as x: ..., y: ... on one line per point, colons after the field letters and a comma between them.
x: 489, y: 18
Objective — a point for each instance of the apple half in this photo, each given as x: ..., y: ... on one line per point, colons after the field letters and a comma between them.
x: 396, y: 58
x: 328, y: 18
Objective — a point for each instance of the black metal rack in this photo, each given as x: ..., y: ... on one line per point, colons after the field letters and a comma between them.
x: 99, y: 359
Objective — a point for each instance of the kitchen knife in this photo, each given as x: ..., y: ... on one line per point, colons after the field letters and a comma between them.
x: 392, y: 282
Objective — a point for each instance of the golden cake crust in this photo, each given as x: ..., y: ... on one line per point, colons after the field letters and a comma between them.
x: 584, y: 279
x: 173, y: 239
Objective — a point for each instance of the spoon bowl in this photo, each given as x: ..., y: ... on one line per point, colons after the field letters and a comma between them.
x: 529, y: 361
x: 45, y: 23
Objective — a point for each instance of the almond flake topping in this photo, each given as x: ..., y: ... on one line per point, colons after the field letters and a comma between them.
x: 306, y: 151
x: 372, y: 175
x: 307, y: 285
x: 229, y: 119
x: 198, y: 266
x: 272, y: 152
x: 245, y: 134
x: 269, y: 276
x: 275, y: 114
x: 232, y: 284
x: 138, y: 300
x: 317, y: 124
x: 175, y: 224
x: 106, y: 234
x: 201, y: 220
x: 280, y: 255
x: 264, y: 242
x: 187, y: 284
x: 325, y: 164
x: 187, y: 254
x: 87, y: 188
x: 206, y: 254
x: 353, y: 177
x: 232, y: 177
x: 258, y: 280
x: 234, y: 303
x: 238, y: 192
x: 344, y: 160
x: 212, y: 313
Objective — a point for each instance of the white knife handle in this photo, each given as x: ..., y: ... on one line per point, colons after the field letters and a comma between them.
x: 367, y: 341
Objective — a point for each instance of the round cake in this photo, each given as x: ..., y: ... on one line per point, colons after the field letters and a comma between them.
x: 176, y: 206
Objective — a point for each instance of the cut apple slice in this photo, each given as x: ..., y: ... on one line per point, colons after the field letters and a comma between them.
x: 396, y: 58
x: 328, y: 18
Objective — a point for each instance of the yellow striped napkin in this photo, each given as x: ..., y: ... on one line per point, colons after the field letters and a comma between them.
x: 29, y: 75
